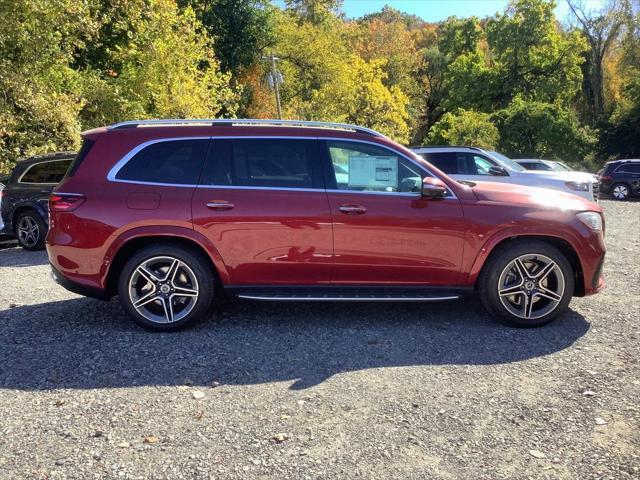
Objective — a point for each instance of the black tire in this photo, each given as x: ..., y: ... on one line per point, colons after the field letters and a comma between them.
x: 510, y: 309
x: 620, y: 191
x: 191, y: 263
x: 30, y: 230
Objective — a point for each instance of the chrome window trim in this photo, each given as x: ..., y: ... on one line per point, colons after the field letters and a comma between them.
x: 111, y: 176
x: 40, y: 163
x: 116, y: 168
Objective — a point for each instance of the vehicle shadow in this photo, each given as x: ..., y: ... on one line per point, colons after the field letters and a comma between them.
x: 85, y: 344
x: 15, y: 256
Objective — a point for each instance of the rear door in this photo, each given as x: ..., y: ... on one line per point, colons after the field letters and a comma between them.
x: 262, y: 203
x: 385, y: 232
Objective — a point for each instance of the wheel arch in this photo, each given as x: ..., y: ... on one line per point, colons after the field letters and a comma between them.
x: 561, y: 244
x: 23, y: 208
x: 134, y: 243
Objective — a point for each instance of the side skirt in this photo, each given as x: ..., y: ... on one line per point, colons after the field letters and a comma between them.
x: 347, y: 293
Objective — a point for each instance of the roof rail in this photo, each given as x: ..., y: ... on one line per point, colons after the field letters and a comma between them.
x: 244, y: 122
x: 447, y: 146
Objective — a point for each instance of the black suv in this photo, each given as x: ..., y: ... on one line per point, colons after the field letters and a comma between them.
x: 23, y: 201
x: 621, y: 179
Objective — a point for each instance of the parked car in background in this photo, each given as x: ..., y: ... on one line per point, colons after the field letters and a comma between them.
x: 24, y: 199
x: 169, y: 214
x: 543, y: 165
x: 621, y: 178
x: 3, y: 182
x: 478, y: 165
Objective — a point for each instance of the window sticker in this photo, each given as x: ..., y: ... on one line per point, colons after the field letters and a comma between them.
x: 369, y: 171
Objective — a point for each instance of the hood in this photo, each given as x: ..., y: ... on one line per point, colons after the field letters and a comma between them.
x: 511, y: 194
x: 564, y: 176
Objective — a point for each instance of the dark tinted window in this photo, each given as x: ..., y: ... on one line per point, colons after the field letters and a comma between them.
x: 459, y: 163
x: 445, y: 161
x: 628, y: 168
x: 46, y: 172
x: 276, y: 163
x: 176, y: 162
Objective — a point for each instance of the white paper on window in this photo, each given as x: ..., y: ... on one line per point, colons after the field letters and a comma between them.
x: 369, y: 171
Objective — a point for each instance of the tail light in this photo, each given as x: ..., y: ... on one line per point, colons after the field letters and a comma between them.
x: 605, y: 178
x: 65, y: 202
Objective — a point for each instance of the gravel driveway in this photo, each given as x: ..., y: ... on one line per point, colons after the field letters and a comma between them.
x: 295, y: 391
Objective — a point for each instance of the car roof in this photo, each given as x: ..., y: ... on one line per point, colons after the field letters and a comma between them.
x: 315, y: 127
x: 45, y: 157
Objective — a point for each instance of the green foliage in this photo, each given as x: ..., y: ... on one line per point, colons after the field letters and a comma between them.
x: 542, y: 130
x: 518, y: 80
x: 464, y: 127
x: 241, y: 29
x: 39, y: 104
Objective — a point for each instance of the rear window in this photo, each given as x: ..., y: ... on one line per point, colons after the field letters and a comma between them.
x: 49, y: 172
x: 175, y: 162
x: 278, y: 163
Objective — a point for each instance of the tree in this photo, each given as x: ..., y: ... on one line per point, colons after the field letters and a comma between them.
x: 314, y: 11
x: 532, y: 57
x: 464, y: 127
x: 39, y: 101
x: 152, y: 81
x: 542, y: 130
x: 240, y: 29
x: 601, y: 30
x: 431, y: 75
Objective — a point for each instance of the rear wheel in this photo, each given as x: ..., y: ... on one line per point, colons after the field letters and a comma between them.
x: 620, y: 191
x: 30, y: 230
x: 527, y: 285
x: 166, y: 287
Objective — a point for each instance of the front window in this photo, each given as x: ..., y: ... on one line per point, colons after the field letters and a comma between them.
x: 507, y: 162
x: 365, y: 167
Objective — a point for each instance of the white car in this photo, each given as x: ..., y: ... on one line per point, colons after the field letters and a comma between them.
x: 478, y: 165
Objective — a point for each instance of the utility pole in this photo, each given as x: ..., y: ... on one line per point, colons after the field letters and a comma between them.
x: 275, y: 78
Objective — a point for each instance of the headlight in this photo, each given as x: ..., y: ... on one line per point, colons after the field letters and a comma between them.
x: 592, y: 220
x: 578, y: 186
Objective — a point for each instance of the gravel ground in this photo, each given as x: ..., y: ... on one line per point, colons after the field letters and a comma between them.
x: 294, y: 391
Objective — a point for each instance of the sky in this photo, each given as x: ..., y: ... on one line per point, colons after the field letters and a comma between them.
x: 436, y: 10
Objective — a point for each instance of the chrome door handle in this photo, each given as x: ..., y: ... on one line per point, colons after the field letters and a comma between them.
x: 220, y: 205
x: 348, y: 209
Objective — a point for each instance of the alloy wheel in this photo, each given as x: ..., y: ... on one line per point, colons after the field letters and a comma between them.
x: 28, y: 231
x: 620, y: 192
x: 163, y: 289
x: 531, y: 286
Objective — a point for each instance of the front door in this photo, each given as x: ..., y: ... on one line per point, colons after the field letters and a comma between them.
x: 384, y: 231
x: 261, y: 202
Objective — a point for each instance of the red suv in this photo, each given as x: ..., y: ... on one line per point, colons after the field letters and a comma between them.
x: 169, y: 214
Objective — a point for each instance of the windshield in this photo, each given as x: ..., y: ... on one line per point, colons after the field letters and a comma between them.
x: 560, y: 167
x: 510, y: 164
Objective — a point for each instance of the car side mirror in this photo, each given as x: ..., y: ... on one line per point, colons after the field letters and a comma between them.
x: 498, y: 171
x: 433, y: 188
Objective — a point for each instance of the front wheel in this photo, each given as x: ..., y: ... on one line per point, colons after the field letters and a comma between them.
x: 165, y: 287
x: 527, y: 285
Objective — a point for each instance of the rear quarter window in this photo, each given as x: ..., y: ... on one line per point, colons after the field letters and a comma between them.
x: 49, y: 172
x: 174, y: 162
